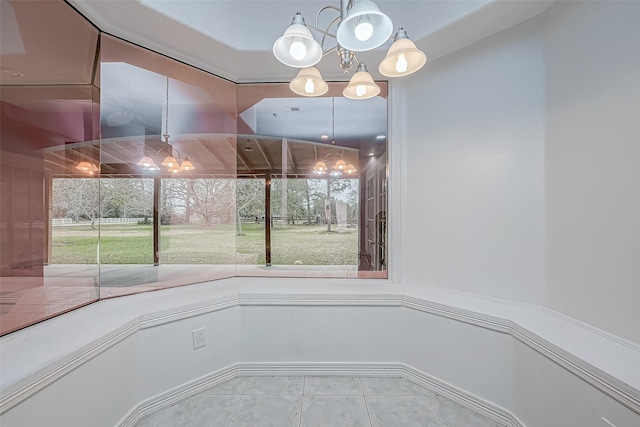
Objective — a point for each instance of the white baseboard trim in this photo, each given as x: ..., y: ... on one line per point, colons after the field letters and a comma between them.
x: 177, y: 394
x: 606, y: 383
x: 423, y: 379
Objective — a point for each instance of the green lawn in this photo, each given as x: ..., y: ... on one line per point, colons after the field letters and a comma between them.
x: 195, y: 244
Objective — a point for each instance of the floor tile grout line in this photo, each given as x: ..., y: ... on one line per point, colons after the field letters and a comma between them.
x: 434, y: 411
x: 304, y: 384
x: 165, y: 415
x: 366, y: 405
x: 238, y: 403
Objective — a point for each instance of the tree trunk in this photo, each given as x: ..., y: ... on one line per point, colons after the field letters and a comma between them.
x: 327, y: 205
x: 239, y: 225
x: 308, y: 199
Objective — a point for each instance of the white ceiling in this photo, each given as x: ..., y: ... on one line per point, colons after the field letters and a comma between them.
x: 233, y: 38
x: 310, y: 118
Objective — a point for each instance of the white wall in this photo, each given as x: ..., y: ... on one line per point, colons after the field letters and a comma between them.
x: 522, y: 179
x: 103, y: 390
x: 453, y: 343
x: 592, y: 163
x: 472, y: 148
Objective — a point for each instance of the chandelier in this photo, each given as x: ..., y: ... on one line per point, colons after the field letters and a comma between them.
x: 340, y: 167
x: 87, y: 167
x: 170, y: 162
x: 361, y: 26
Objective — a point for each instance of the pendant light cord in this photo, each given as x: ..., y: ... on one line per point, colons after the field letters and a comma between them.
x: 333, y: 120
x: 166, y: 117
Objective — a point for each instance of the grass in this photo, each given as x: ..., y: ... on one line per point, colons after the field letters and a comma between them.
x: 195, y: 244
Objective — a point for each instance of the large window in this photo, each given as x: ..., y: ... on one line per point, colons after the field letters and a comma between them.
x: 125, y: 171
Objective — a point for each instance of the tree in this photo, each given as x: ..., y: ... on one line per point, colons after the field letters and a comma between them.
x: 288, y: 197
x: 91, y: 198
x: 78, y: 198
x: 249, y: 199
x: 334, y: 186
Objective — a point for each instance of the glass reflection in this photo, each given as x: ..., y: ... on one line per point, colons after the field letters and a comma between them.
x: 172, y: 127
x: 326, y: 160
x: 49, y: 115
x: 82, y: 166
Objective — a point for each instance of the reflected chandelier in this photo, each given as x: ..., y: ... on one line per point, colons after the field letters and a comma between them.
x: 169, y: 161
x: 361, y: 26
x: 340, y: 167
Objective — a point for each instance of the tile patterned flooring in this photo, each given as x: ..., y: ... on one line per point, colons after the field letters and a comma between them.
x: 314, y: 402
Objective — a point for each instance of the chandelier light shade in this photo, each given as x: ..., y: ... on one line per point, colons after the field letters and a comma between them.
x: 309, y: 82
x: 320, y: 168
x: 340, y: 165
x: 87, y: 167
x: 403, y: 57
x: 187, y: 165
x: 297, y: 48
x: 349, y: 169
x: 361, y: 85
x: 364, y: 28
x: 148, y: 164
x: 169, y: 161
x: 146, y: 161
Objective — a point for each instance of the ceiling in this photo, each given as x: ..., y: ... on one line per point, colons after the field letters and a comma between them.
x: 233, y: 38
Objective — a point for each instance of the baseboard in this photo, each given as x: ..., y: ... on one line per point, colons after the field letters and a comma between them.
x: 423, y: 379
x: 603, y: 381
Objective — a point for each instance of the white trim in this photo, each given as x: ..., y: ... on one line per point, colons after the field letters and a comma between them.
x: 396, y: 188
x: 177, y: 394
x: 423, y: 379
x: 592, y: 329
x: 49, y: 375
x: 605, y: 382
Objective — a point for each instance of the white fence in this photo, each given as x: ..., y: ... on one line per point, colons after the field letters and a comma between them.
x: 69, y: 221
x: 119, y: 220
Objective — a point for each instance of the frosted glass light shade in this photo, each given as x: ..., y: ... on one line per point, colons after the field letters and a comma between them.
x: 307, y: 52
x: 361, y: 85
x: 340, y: 164
x: 145, y: 161
x: 169, y: 161
x: 382, y: 27
x: 187, y: 165
x: 300, y: 84
x: 403, y: 58
x: 350, y: 169
x: 88, y: 168
x: 320, y: 168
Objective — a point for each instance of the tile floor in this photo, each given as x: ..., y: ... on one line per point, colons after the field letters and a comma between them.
x: 316, y: 401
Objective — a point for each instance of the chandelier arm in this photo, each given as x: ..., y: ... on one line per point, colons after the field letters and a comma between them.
x: 337, y: 9
x: 324, y: 36
x: 355, y: 56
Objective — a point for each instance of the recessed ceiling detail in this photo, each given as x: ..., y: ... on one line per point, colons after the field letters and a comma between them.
x: 233, y: 39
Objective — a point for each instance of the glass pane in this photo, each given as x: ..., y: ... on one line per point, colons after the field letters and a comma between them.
x: 198, y: 223
x: 168, y: 142
x: 250, y: 202
x: 315, y: 228
x: 326, y: 157
x: 49, y: 112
